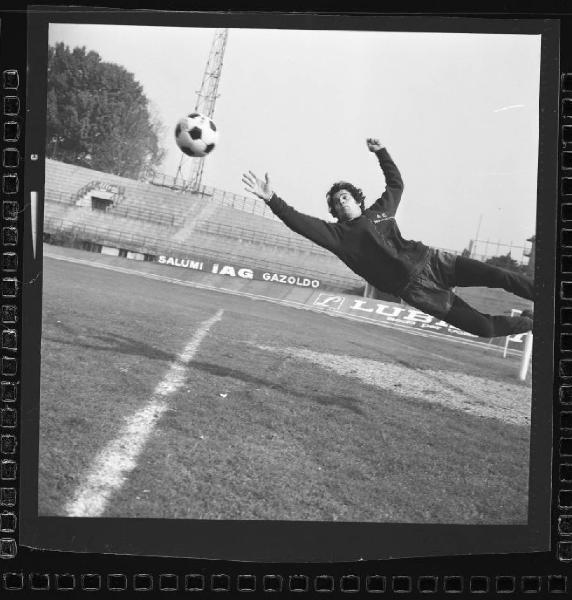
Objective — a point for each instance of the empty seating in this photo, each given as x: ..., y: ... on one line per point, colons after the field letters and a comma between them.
x: 159, y: 220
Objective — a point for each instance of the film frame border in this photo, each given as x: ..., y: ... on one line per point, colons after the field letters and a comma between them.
x: 355, y: 578
x: 297, y: 537
x: 563, y: 452
x: 12, y: 85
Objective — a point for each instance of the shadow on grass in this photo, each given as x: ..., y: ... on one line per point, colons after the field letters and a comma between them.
x: 125, y: 345
x: 343, y: 402
x: 119, y: 344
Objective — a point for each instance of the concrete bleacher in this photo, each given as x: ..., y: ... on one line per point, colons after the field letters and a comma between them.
x: 163, y: 205
x: 103, y: 227
x: 55, y: 210
x: 63, y: 181
x: 140, y: 200
x: 158, y: 220
x: 252, y: 244
x: 145, y: 202
x: 235, y: 223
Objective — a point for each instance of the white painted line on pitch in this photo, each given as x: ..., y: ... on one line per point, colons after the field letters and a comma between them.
x: 284, y: 302
x: 33, y: 216
x: 113, y: 464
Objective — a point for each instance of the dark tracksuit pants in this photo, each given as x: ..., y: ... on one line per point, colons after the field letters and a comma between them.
x: 431, y: 292
x: 473, y: 273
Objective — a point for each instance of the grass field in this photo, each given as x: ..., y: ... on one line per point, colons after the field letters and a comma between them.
x: 267, y: 412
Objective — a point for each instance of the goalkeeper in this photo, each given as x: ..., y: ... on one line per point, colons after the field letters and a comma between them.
x: 369, y: 242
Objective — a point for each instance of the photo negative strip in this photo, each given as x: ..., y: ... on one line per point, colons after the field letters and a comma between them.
x: 291, y: 285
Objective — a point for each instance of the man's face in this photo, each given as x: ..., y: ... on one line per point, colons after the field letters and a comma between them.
x: 346, y: 207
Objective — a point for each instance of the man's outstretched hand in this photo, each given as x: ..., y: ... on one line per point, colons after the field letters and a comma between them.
x: 256, y: 186
x: 373, y: 144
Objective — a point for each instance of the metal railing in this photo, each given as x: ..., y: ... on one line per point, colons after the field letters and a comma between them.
x: 161, y: 217
x: 484, y: 249
x: 228, y: 199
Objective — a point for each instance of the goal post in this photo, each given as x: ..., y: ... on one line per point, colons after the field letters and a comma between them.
x: 526, y: 357
x: 513, y: 312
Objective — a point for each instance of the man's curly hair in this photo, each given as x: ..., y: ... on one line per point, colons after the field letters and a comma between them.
x: 356, y: 193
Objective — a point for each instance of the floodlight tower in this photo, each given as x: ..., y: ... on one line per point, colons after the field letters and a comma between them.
x: 206, y: 100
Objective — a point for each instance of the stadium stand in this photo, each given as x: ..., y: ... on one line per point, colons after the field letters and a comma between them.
x: 139, y: 200
x: 235, y: 223
x: 180, y: 222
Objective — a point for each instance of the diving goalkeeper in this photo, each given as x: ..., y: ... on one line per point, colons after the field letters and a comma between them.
x: 369, y: 242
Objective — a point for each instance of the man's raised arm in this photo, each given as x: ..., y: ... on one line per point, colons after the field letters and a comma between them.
x: 322, y: 233
x: 391, y: 197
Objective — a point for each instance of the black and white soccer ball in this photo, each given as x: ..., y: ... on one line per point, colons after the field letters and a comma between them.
x: 196, y: 135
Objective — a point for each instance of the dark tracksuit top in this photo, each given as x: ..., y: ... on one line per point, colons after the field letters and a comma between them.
x: 370, y: 245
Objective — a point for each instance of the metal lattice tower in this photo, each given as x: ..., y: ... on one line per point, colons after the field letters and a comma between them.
x: 206, y: 100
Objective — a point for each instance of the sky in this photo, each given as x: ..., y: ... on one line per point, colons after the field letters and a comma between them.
x: 457, y: 112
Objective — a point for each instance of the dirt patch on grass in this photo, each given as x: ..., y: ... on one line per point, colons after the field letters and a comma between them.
x: 479, y: 396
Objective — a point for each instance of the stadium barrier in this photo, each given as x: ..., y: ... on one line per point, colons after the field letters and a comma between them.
x: 401, y: 316
x: 518, y: 338
x: 526, y: 339
x: 58, y: 231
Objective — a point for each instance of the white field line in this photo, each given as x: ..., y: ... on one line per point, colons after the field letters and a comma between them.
x: 115, y: 461
x: 284, y: 302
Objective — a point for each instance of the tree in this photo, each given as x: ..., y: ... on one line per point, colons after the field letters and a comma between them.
x: 98, y: 115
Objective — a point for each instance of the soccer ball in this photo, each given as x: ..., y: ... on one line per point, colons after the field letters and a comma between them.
x: 196, y: 135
